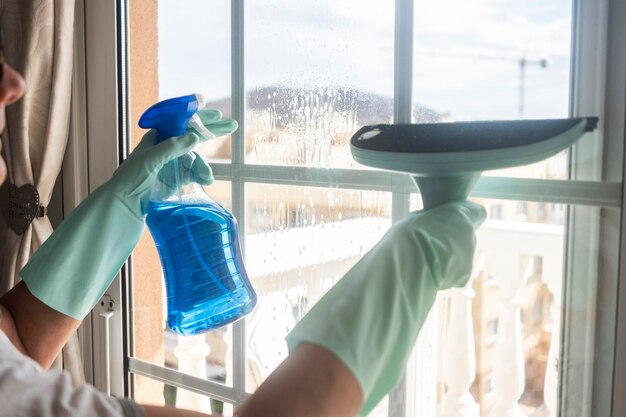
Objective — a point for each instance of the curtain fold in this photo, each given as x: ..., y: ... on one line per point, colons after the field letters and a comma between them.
x: 39, y: 44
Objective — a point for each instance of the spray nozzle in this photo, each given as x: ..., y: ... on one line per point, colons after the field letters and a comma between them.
x: 173, y: 116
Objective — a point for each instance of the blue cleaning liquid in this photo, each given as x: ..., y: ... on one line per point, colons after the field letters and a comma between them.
x: 205, y: 280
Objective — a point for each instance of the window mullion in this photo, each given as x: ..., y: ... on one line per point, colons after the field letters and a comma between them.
x: 585, y: 193
x: 403, y: 62
x: 402, y: 105
x: 238, y: 187
x: 237, y: 81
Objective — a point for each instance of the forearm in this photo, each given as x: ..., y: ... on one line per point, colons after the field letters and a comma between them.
x: 311, y: 382
x: 35, y: 329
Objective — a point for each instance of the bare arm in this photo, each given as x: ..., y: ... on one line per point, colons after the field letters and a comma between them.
x: 35, y: 329
x: 311, y: 382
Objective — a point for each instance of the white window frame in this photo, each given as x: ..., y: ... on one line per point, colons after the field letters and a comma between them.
x: 97, y: 143
x: 92, y: 154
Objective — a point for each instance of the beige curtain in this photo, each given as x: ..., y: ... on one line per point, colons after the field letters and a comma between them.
x: 39, y: 43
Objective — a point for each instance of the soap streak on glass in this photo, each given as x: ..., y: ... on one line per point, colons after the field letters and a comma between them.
x: 307, y: 124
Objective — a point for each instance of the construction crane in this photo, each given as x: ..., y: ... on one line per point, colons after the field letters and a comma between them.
x: 522, y: 63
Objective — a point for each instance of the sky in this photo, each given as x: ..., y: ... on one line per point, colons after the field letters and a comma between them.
x: 465, y: 63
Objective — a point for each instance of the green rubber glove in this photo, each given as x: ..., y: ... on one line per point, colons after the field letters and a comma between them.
x: 76, y: 264
x: 371, y: 318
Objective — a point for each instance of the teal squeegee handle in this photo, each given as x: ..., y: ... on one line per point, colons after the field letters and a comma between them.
x: 439, y: 190
x: 170, y: 117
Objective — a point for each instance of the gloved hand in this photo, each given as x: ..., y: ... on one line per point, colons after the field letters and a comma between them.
x: 371, y: 318
x: 77, y: 263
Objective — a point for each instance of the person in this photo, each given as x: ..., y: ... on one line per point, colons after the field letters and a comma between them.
x: 345, y: 354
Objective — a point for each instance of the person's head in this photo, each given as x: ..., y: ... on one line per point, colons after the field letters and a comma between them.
x: 11, y: 90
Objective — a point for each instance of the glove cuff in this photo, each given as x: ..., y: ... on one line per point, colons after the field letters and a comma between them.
x: 77, y: 263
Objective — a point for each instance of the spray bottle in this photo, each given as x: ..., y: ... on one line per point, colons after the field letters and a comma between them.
x: 205, y: 279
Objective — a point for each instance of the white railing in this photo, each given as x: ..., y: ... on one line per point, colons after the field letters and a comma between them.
x: 508, y: 372
x: 512, y: 251
x: 191, y: 353
x: 460, y: 353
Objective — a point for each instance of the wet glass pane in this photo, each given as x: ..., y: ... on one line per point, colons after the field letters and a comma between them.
x: 518, y: 293
x: 194, y: 56
x: 490, y: 60
x: 299, y: 242
x: 206, y: 355
x: 525, y: 211
x: 506, y: 326
x: 315, y: 72
x: 382, y: 409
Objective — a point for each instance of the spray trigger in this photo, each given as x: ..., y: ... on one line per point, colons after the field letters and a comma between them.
x: 196, y: 123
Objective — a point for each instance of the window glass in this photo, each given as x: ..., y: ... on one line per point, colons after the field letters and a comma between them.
x: 315, y: 72
x: 493, y: 60
x: 492, y: 328
x: 525, y: 212
x: 194, y: 56
x: 299, y: 242
x: 519, y: 266
x: 525, y: 254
